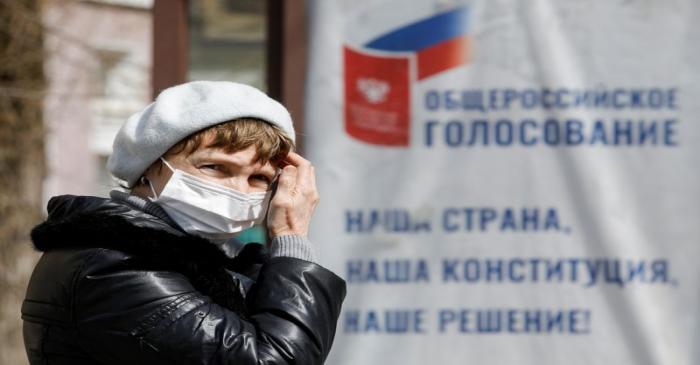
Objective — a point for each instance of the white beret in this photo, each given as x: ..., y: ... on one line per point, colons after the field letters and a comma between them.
x: 182, y: 110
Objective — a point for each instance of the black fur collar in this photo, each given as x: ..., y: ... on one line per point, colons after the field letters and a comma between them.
x: 84, y: 222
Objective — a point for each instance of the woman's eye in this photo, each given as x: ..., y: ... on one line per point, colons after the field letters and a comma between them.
x: 262, y: 178
x: 211, y: 167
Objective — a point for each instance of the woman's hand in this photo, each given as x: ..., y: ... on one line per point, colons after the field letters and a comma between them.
x: 295, y: 200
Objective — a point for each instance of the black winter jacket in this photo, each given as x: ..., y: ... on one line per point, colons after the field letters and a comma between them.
x: 116, y: 285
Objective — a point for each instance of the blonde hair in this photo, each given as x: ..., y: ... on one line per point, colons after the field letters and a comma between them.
x: 270, y: 142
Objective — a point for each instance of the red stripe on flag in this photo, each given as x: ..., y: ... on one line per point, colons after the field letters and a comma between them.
x: 443, y: 56
x: 377, y: 98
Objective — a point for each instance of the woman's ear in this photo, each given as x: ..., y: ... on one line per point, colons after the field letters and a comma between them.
x: 149, y: 182
x: 153, y: 170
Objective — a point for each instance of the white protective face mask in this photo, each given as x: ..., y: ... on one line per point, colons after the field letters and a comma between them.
x: 208, y: 209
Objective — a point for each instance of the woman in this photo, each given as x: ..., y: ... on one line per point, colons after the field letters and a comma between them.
x: 149, y: 276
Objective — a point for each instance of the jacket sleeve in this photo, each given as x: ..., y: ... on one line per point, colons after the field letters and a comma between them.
x: 160, y: 319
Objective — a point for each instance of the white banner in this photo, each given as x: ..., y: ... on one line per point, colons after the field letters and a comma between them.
x: 509, y: 182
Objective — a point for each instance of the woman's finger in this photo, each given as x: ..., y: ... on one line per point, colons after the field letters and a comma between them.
x: 287, y: 181
x: 305, y: 171
x: 295, y: 159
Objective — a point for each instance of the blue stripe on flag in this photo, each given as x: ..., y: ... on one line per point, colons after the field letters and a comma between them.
x: 423, y: 33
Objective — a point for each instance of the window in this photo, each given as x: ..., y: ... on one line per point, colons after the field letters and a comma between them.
x: 227, y: 41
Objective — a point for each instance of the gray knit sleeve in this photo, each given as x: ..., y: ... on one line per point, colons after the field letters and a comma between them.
x: 293, y: 246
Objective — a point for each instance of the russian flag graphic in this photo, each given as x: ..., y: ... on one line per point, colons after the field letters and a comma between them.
x: 378, y: 76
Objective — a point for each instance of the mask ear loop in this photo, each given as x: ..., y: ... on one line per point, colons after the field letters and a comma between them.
x: 150, y: 185
x: 167, y: 164
x: 275, y: 179
x: 273, y: 190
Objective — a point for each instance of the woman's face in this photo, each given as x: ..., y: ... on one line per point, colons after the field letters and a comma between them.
x: 236, y: 170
